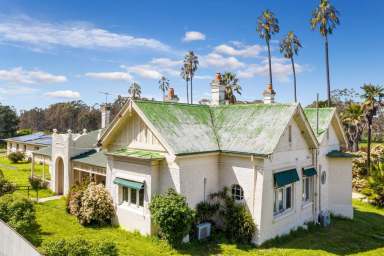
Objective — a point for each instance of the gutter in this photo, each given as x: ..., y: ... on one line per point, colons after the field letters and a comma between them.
x: 225, y: 152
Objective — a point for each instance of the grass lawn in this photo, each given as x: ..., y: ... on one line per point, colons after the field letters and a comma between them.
x: 364, y: 236
x: 19, y: 173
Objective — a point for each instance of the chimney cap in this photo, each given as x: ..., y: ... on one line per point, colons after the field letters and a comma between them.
x: 218, y: 76
x: 269, y: 90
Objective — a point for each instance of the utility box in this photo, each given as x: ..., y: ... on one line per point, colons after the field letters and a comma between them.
x: 325, y: 218
x: 203, y: 230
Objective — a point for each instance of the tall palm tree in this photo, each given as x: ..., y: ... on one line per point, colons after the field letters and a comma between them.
x: 372, y: 96
x: 231, y: 84
x: 135, y: 90
x: 163, y: 85
x: 353, y: 119
x: 325, y: 16
x: 185, y: 75
x: 289, y: 46
x: 191, y: 63
x: 267, y: 25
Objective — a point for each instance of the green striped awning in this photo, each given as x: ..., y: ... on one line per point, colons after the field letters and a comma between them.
x: 128, y: 183
x: 285, y: 177
x: 309, y: 171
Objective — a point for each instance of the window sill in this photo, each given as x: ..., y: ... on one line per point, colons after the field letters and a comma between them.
x: 132, y: 208
x: 280, y: 216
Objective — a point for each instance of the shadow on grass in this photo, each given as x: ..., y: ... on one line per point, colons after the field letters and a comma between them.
x: 364, y: 233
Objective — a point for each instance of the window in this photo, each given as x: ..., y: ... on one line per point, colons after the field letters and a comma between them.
x: 237, y: 192
x: 25, y: 148
x: 283, y: 199
x: 133, y: 196
x: 307, y: 188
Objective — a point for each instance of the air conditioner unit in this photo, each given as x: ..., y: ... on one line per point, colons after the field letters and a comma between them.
x: 203, y: 230
x: 325, y: 218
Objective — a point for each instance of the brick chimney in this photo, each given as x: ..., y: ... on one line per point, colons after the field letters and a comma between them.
x: 105, y: 115
x: 217, y: 91
x: 171, y: 97
x: 269, y: 95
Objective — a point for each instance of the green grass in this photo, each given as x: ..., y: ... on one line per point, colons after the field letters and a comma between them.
x: 365, y: 144
x: 364, y: 236
x: 19, y: 173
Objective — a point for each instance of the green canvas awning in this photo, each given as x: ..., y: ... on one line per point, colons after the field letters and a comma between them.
x: 128, y: 183
x: 309, y: 172
x: 285, y: 177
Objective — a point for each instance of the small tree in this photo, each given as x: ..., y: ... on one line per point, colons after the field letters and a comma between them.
x: 5, y: 185
x: 96, y: 206
x: 172, y: 214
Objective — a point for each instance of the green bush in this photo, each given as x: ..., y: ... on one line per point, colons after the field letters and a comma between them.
x: 205, y: 211
x: 55, y: 248
x: 16, y: 157
x: 96, y: 206
x: 173, y: 216
x: 79, y: 247
x: 238, y: 222
x: 105, y: 249
x: 19, y: 213
x: 37, y: 182
x: 5, y: 185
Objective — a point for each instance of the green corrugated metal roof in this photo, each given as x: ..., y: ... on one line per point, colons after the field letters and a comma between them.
x: 142, y: 154
x: 242, y: 128
x: 92, y: 157
x: 309, y: 171
x: 339, y: 154
x: 45, y: 151
x: 128, y: 183
x: 285, y: 177
x: 325, y: 117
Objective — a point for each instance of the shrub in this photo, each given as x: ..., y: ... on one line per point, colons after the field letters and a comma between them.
x: 55, y: 248
x: 105, y: 249
x: 171, y: 213
x: 205, y: 211
x: 79, y: 247
x: 238, y: 222
x: 16, y: 157
x: 37, y: 182
x: 73, y: 200
x: 19, y: 213
x: 96, y: 206
x: 5, y: 185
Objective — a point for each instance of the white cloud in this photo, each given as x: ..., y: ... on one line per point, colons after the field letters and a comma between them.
x: 281, y: 69
x: 166, y: 62
x: 217, y: 60
x: 193, y: 36
x: 16, y: 90
x: 113, y: 76
x: 38, y: 34
x: 203, y: 77
x: 19, y: 75
x: 145, y: 71
x: 240, y: 50
x: 66, y: 94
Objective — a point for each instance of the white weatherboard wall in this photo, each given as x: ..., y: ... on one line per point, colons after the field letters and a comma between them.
x: 340, y: 199
x: 13, y: 244
x: 288, y: 155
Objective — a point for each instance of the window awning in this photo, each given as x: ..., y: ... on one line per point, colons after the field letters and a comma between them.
x: 309, y: 171
x: 128, y: 183
x: 285, y: 177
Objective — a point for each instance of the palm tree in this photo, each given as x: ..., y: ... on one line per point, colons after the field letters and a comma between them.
x: 185, y: 75
x: 231, y: 84
x: 267, y: 25
x: 191, y: 63
x: 134, y: 90
x: 353, y: 119
x: 163, y: 85
x: 325, y: 17
x: 372, y: 96
x: 289, y: 46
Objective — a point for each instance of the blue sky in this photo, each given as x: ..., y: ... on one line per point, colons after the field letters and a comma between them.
x: 53, y: 51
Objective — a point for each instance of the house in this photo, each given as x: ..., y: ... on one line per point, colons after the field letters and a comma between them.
x: 283, y: 162
x: 28, y: 144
